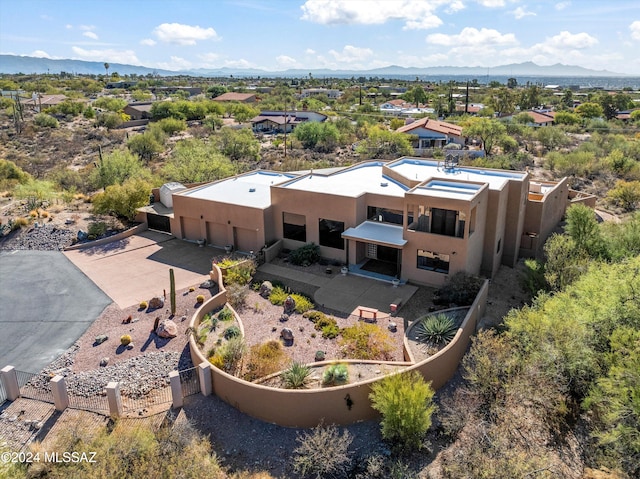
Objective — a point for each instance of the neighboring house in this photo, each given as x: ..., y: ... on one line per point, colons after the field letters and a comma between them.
x: 410, y: 218
x: 332, y: 94
x: 121, y: 84
x: 429, y: 134
x: 471, y: 109
x: 139, y: 110
x: 168, y: 90
x: 540, y: 118
x: 39, y: 102
x: 239, y: 97
x: 400, y: 107
x: 281, y: 122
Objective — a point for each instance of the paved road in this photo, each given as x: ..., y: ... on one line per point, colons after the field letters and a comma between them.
x: 46, y: 304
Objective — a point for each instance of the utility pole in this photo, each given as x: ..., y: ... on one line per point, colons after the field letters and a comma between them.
x: 285, y: 129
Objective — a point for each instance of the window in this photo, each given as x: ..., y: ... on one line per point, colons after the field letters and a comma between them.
x: 384, y: 215
x: 472, y: 222
x: 294, y: 227
x: 331, y: 233
x: 443, y: 222
x: 433, y: 261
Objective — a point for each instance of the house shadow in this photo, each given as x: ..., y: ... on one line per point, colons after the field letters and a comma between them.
x: 111, y: 247
x: 156, y: 340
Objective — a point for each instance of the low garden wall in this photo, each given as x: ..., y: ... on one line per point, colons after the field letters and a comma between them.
x: 99, y: 242
x: 272, y: 251
x: 344, y: 404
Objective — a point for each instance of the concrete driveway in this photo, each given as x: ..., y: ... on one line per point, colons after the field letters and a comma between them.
x: 46, y: 304
x: 136, y: 268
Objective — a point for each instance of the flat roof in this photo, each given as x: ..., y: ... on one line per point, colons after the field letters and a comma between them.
x: 372, y: 231
x: 448, y: 189
x: 252, y: 189
x: 351, y: 181
x: 422, y: 170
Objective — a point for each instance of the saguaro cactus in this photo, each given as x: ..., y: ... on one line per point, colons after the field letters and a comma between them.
x: 172, y: 294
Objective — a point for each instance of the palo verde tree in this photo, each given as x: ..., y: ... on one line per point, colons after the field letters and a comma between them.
x: 486, y: 130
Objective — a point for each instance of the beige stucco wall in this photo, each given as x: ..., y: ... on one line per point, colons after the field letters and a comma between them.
x: 494, y: 231
x: 516, y: 207
x: 307, y: 408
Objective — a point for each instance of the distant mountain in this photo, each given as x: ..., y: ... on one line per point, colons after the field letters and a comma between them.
x: 24, y: 64
x: 20, y: 64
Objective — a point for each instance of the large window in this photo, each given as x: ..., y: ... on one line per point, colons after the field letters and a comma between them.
x: 294, y: 227
x: 331, y: 233
x: 438, y: 221
x: 384, y: 215
x: 443, y: 222
x: 433, y: 261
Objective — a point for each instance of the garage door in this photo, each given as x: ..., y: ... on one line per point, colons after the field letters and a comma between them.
x: 158, y: 222
x: 190, y: 228
x: 217, y: 234
x: 245, y: 240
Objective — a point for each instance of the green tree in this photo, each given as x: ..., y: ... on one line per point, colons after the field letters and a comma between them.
x: 238, y: 144
x: 11, y: 174
x: 502, y: 101
x: 530, y: 98
x: 566, y: 118
x: 564, y: 262
x: 194, y: 161
x: 589, y: 110
x: 243, y: 112
x: 551, y: 137
x: 109, y: 120
x: 625, y: 194
x: 123, y: 199
x: 583, y: 228
x: 110, y: 103
x: 318, y: 136
x: 146, y: 146
x: 216, y: 90
x: 117, y: 167
x: 419, y: 96
x: 45, y: 121
x: 488, y: 131
x: 382, y: 143
x: 405, y: 402
x: 635, y: 116
x: 171, y: 125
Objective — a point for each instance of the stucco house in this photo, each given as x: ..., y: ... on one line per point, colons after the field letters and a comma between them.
x: 139, y: 110
x: 429, y: 134
x: 239, y: 97
x: 281, y: 121
x: 411, y: 219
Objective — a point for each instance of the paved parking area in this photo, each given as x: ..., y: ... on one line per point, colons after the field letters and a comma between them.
x: 136, y: 268
x: 46, y: 304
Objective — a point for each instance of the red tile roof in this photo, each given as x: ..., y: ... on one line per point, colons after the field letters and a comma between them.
x: 433, y: 125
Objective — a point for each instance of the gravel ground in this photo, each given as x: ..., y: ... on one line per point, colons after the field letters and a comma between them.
x: 47, y: 237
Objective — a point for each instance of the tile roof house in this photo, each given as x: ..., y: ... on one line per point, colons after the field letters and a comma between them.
x: 280, y: 121
x: 38, y: 101
x: 540, y: 118
x: 239, y: 97
x: 411, y: 218
x: 429, y: 133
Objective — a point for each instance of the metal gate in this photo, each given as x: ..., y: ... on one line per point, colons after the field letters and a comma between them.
x: 189, y: 381
x: 99, y: 404
x: 158, y: 222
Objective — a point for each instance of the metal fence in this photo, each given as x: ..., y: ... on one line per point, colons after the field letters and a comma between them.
x: 189, y: 381
x: 34, y: 386
x: 155, y: 398
x: 99, y: 404
x: 3, y: 394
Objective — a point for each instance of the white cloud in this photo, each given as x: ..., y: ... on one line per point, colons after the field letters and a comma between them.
x: 470, y: 36
x: 635, y: 30
x: 184, y: 34
x: 109, y: 55
x: 562, y: 5
x: 176, y: 63
x: 310, y: 51
x: 40, y: 54
x: 286, y: 61
x: 417, y: 14
x: 90, y: 35
x: 568, y: 40
x: 522, y: 12
x: 68, y: 26
x: 148, y: 42
x: 351, y: 54
x: 455, y: 6
x: 491, y: 3
x: 242, y: 63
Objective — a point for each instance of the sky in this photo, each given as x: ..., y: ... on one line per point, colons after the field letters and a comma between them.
x: 276, y: 35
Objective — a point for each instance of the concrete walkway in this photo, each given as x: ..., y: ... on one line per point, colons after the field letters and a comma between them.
x: 136, y: 268
x: 343, y: 293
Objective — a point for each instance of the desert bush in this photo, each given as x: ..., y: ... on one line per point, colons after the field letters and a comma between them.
x: 200, y: 299
x: 461, y: 290
x: 314, y: 316
x: 237, y: 295
x: 335, y: 374
x: 228, y: 357
x: 366, y: 341
x: 45, y: 121
x: 239, y: 272
x: 97, y: 228
x: 231, y: 332
x: 305, y: 255
x: 144, y: 305
x: 323, y: 452
x: 264, y: 359
x: 296, y: 376
x: 405, y: 402
x: 123, y: 200
x: 436, y: 329
x: 125, y: 339
x: 278, y: 296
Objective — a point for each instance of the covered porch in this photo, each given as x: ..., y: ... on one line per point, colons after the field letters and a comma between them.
x: 374, y: 249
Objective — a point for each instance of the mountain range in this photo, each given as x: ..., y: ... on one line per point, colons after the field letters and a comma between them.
x: 11, y: 64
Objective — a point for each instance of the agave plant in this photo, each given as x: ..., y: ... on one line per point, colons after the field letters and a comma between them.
x: 437, y: 329
x: 296, y: 376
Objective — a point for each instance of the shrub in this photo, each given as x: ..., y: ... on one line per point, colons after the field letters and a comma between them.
x: 200, y: 299
x: 461, y: 289
x: 144, y: 305
x: 326, y: 324
x: 125, y: 339
x: 437, y: 329
x: 225, y: 314
x: 296, y: 376
x: 323, y: 452
x: 314, y: 316
x: 229, y: 356
x: 335, y: 374
x: 278, y: 296
x: 237, y: 295
x: 231, y: 332
x: 239, y: 272
x: 191, y: 289
x: 305, y: 255
x: 366, y: 341
x: 264, y: 359
x: 97, y: 228
x: 405, y: 402
x: 46, y: 121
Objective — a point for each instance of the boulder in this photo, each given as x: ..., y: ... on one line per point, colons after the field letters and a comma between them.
x: 208, y: 284
x: 101, y: 338
x: 265, y: 289
x: 104, y: 361
x: 167, y: 329
x: 289, y: 305
x: 286, y: 334
x: 156, y: 302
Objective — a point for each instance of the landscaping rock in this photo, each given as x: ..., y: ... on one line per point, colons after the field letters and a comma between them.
x: 289, y: 305
x: 286, y: 334
x: 265, y: 289
x: 156, y: 302
x: 393, y: 327
x: 208, y: 284
x: 104, y: 361
x: 167, y: 329
x: 101, y: 338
